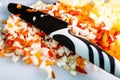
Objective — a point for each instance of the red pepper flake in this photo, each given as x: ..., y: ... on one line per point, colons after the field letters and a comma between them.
x: 50, y: 53
x: 42, y: 34
x: 9, y: 42
x: 81, y: 70
x: 21, y: 41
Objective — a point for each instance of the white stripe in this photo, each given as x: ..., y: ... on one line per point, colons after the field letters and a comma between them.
x: 106, y: 62
x: 96, y: 55
x: 117, y: 68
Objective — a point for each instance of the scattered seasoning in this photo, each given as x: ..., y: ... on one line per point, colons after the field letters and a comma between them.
x: 4, y: 21
x: 2, y: 54
x: 39, y: 49
x: 53, y: 75
x: 19, y: 6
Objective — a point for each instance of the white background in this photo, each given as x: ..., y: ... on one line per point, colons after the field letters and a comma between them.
x: 21, y: 71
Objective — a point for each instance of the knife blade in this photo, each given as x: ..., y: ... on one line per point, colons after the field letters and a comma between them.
x: 58, y: 30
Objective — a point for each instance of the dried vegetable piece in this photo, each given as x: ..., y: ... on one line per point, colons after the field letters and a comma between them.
x: 23, y: 41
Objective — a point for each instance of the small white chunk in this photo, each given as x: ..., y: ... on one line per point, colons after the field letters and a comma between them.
x: 19, y: 51
x: 34, y: 60
x: 17, y: 44
x: 43, y: 65
x: 15, y: 58
x: 73, y: 72
x: 9, y: 55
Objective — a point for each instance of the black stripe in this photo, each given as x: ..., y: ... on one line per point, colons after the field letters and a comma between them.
x: 112, y: 64
x: 91, y: 54
x: 68, y: 43
x: 101, y: 59
x: 64, y: 41
x: 101, y: 56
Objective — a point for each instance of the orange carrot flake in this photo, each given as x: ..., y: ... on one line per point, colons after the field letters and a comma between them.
x: 30, y: 10
x: 2, y: 54
x: 28, y: 61
x: 80, y: 65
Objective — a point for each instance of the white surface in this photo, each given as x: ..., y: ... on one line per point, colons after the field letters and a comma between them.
x: 21, y: 71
